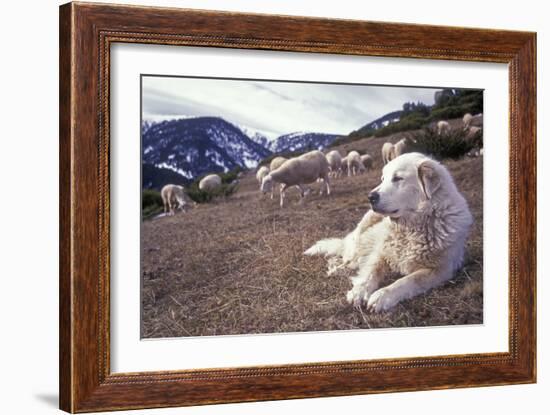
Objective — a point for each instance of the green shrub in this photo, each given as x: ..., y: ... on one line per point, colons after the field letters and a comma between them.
x: 412, y: 121
x: 202, y: 196
x: 151, y: 203
x: 451, y: 145
x: 229, y: 186
x: 457, y: 111
x: 230, y: 176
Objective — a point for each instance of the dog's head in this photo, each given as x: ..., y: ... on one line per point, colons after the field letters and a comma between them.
x: 407, y: 182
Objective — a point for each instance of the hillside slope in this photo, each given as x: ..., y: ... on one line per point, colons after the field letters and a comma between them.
x: 236, y: 265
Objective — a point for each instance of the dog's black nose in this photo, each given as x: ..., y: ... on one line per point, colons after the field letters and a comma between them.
x: 374, y: 197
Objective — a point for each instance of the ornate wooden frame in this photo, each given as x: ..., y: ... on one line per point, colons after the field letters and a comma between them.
x: 86, y: 33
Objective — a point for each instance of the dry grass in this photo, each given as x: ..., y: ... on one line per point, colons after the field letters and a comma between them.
x: 235, y: 266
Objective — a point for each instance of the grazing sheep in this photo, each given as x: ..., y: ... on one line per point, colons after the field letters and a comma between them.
x: 387, y: 153
x: 472, y: 132
x: 367, y: 161
x: 355, y: 165
x: 476, y: 152
x: 399, y: 148
x: 467, y: 120
x: 477, y: 120
x: 443, y: 127
x: 210, y: 182
x: 261, y: 173
x: 334, y: 163
x: 344, y: 165
x: 174, y: 197
x: 274, y: 165
x: 299, y: 171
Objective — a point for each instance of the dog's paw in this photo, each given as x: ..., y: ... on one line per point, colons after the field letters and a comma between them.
x: 357, y: 297
x: 353, y: 298
x: 381, y: 300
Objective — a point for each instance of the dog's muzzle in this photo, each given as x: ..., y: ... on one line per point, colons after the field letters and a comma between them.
x: 374, y: 198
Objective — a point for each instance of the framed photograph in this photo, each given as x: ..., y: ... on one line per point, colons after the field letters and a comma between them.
x: 258, y: 207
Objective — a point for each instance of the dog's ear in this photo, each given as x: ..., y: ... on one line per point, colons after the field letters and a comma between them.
x: 428, y: 177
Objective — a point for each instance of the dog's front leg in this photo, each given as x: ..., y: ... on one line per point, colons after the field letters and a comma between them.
x: 409, y: 286
x: 371, y: 275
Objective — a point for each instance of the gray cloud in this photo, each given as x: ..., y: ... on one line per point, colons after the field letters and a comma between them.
x: 279, y: 107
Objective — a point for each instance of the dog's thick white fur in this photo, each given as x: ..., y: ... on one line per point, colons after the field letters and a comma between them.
x: 417, y: 229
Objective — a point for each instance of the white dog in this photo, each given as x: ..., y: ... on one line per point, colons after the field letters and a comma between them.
x: 417, y: 229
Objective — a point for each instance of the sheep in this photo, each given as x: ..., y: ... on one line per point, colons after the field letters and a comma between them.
x: 174, y: 197
x: 472, y: 132
x: 477, y: 120
x: 210, y: 182
x: 261, y: 173
x: 467, y: 120
x: 443, y: 127
x: 387, y: 153
x: 400, y: 147
x: 274, y: 165
x: 298, y: 171
x: 355, y: 165
x: 367, y: 161
x: 476, y: 152
x: 344, y: 165
x: 335, y: 163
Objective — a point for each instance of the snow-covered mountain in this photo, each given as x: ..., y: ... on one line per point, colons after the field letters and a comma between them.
x: 195, y: 146
x: 299, y: 141
x: 262, y: 137
x: 180, y: 149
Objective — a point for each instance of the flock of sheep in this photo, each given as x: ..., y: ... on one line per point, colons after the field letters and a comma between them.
x: 311, y: 167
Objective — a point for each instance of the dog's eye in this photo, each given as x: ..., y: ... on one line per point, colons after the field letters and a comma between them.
x: 396, y: 179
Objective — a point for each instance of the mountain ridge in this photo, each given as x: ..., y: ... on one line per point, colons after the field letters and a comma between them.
x: 194, y: 146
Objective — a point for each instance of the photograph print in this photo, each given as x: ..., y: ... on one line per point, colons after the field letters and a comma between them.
x: 274, y: 206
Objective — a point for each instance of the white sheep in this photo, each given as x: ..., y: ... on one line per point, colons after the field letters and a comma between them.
x: 400, y: 147
x: 477, y: 120
x: 210, y: 182
x: 344, y: 165
x: 274, y: 165
x: 174, y: 197
x: 443, y: 127
x: 476, y: 152
x: 472, y: 132
x: 367, y: 161
x: 467, y: 120
x: 261, y: 173
x: 277, y: 162
x: 335, y: 163
x: 299, y: 171
x: 355, y: 165
x: 387, y: 153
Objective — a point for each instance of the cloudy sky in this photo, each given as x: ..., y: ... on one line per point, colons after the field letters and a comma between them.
x: 276, y: 107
